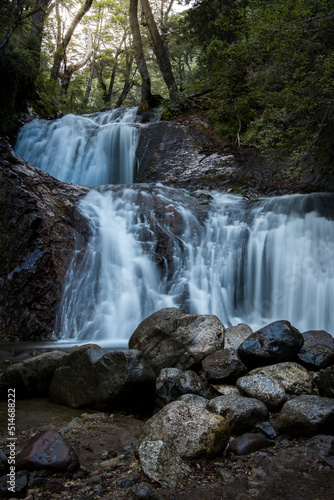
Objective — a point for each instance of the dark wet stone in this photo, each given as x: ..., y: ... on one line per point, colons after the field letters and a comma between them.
x: 318, y: 337
x: 249, y: 443
x: 223, y: 366
x: 315, y: 357
x: 124, y: 483
x: 173, y: 383
x: 325, y: 382
x: 48, y: 450
x: 267, y: 429
x: 277, y: 342
x: 307, y: 415
x: 144, y: 491
x: 112, y: 380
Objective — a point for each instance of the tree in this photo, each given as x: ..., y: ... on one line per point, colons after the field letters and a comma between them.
x: 146, y: 95
x: 159, y: 48
x: 63, y: 42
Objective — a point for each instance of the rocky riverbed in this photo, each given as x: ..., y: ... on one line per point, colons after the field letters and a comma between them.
x: 192, y: 410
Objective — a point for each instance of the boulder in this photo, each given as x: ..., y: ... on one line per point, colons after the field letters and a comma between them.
x: 172, y: 338
x: 223, y: 366
x: 295, y: 378
x: 194, y: 399
x: 48, y: 450
x: 172, y: 383
x: 277, y: 342
x: 161, y: 464
x: 265, y: 388
x: 224, y: 390
x: 32, y: 377
x: 318, y: 337
x: 240, y: 412
x: 236, y: 335
x: 315, y: 357
x: 307, y: 415
x: 249, y: 443
x: 189, y: 430
x: 321, y: 445
x: 92, y: 377
x: 325, y: 382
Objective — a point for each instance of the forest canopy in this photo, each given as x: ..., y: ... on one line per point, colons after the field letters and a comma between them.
x: 262, y: 70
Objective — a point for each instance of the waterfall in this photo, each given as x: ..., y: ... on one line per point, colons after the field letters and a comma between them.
x: 250, y: 261
x: 90, y: 149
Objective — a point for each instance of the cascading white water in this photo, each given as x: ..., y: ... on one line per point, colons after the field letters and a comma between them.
x: 245, y: 261
x: 252, y: 262
x: 91, y: 149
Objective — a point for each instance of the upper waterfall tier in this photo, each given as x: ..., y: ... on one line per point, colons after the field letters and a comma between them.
x: 90, y: 149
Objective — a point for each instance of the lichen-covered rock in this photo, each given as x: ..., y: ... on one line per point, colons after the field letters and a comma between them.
x: 48, y: 450
x: 32, y: 377
x: 240, y: 412
x: 264, y: 388
x: 189, y: 430
x: 172, y: 383
x: 161, y: 464
x: 172, y: 338
x: 92, y: 377
x: 277, y: 342
x: 194, y: 399
x: 223, y: 366
x: 236, y: 335
x: 295, y: 378
x: 307, y: 415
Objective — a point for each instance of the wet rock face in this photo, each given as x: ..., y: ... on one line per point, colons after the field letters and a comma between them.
x: 39, y: 225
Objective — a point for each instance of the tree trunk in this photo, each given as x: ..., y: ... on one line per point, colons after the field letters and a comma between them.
x: 146, y: 94
x: 68, y: 72
x: 36, y: 30
x: 63, y: 44
x: 127, y: 84
x: 159, y: 48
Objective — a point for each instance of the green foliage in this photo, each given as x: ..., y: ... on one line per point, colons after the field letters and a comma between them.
x: 174, y: 106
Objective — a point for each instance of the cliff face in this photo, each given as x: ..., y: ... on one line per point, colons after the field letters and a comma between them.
x: 39, y: 229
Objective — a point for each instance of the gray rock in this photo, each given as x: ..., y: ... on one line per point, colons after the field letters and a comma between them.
x: 325, y: 382
x: 194, y: 399
x: 277, y: 342
x: 172, y: 338
x: 223, y: 366
x: 318, y: 337
x: 48, y: 450
x: 266, y: 429
x: 235, y: 335
x: 321, y: 445
x: 189, y: 430
x: 160, y: 463
x: 316, y: 357
x: 249, y: 443
x: 144, y: 491
x: 307, y: 415
x: 32, y: 377
x: 172, y: 383
x: 265, y: 388
x: 240, y: 412
x: 225, y: 390
x: 92, y: 377
x: 294, y: 378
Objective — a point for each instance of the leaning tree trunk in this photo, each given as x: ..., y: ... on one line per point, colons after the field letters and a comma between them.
x: 146, y: 95
x: 63, y: 44
x: 159, y: 48
x: 127, y: 83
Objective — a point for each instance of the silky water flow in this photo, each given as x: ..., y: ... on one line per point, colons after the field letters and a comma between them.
x: 245, y: 261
